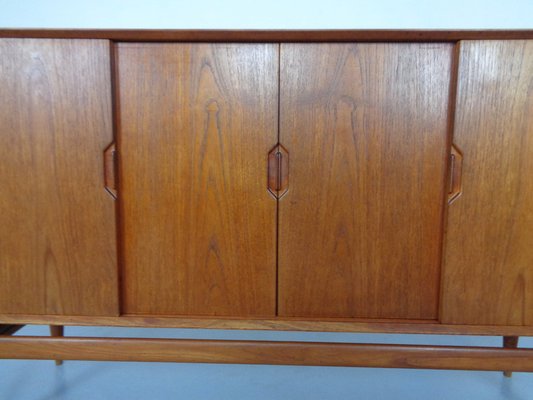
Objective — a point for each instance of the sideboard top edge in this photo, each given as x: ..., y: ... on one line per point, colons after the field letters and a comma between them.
x: 268, y: 35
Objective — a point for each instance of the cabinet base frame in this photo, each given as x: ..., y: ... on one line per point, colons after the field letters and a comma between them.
x: 267, y: 352
x: 278, y: 323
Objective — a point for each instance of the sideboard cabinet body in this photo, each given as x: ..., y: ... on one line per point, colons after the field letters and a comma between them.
x: 368, y: 185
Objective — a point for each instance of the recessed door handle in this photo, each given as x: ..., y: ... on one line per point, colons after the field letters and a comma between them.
x: 110, y: 164
x: 278, y: 171
x: 456, y: 170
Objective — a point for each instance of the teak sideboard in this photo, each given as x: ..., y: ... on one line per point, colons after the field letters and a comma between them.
x: 348, y: 181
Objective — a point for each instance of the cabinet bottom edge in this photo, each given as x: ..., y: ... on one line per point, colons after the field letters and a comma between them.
x: 281, y: 324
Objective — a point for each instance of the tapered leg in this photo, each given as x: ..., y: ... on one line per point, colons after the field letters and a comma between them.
x: 9, y: 330
x: 509, y: 342
x: 57, y: 331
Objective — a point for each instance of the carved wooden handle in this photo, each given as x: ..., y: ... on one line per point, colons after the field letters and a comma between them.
x: 110, y: 170
x: 278, y: 171
x: 456, y: 169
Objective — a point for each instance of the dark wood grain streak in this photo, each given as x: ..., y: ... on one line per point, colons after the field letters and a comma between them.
x: 263, y: 352
x: 57, y: 236
x: 196, y: 124
x: 119, y: 220
x: 272, y: 35
x: 360, y: 226
x: 488, y: 270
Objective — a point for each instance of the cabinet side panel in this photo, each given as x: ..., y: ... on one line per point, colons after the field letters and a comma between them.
x: 197, y: 123
x: 57, y: 222
x: 361, y: 225
x: 488, y: 270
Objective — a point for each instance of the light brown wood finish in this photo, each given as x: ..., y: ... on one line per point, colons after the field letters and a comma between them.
x: 196, y: 124
x: 360, y: 227
x: 488, y: 272
x: 213, y: 35
x: 263, y: 352
x: 57, y: 236
x: 362, y: 325
x: 307, y: 324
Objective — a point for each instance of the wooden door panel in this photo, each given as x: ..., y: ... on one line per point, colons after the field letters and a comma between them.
x: 488, y: 270
x: 199, y: 225
x: 57, y: 222
x: 360, y: 226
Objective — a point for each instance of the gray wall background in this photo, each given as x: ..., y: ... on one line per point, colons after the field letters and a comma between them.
x: 269, y: 14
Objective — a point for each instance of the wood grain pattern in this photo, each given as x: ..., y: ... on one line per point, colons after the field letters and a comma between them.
x: 213, y: 35
x: 57, y: 223
x: 360, y: 227
x: 488, y: 272
x: 264, y: 352
x: 307, y: 324
x: 197, y: 123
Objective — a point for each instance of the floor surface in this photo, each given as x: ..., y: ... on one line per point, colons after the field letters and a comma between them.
x: 76, y: 380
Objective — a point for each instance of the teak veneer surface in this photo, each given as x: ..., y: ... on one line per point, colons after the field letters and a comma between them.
x: 488, y: 272
x: 57, y: 223
x: 360, y: 227
x: 268, y: 352
x: 199, y: 226
x: 362, y: 325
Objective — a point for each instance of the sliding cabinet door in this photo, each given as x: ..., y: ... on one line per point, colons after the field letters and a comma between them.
x: 57, y: 222
x: 488, y: 270
x: 199, y: 226
x: 365, y: 126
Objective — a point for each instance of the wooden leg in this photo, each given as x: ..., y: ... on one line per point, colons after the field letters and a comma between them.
x: 9, y: 330
x: 509, y: 342
x: 57, y: 331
